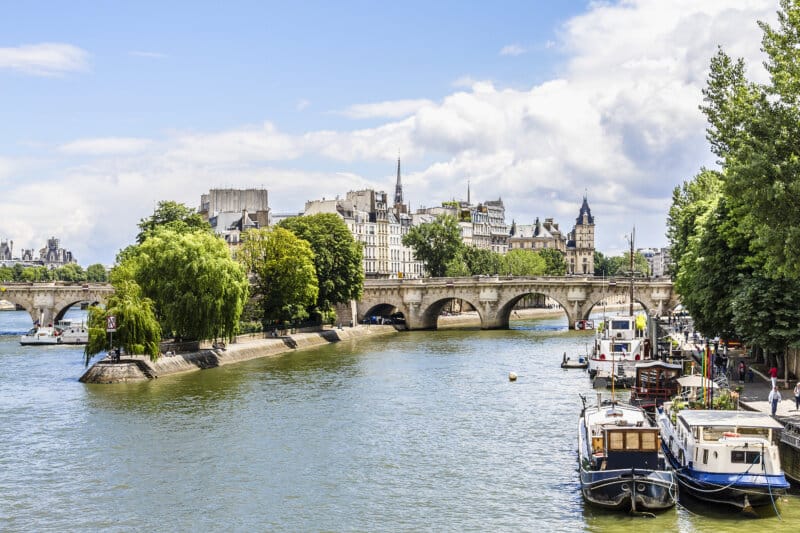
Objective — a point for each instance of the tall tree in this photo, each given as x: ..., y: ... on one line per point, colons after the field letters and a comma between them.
x: 337, y: 257
x: 197, y: 288
x: 174, y: 216
x: 284, y: 278
x: 435, y: 243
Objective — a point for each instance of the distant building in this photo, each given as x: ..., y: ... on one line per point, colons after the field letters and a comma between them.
x: 658, y: 259
x: 577, y: 246
x: 234, y: 211
x: 6, y: 250
x: 378, y: 227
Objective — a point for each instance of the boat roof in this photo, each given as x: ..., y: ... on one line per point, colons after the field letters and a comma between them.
x: 728, y: 418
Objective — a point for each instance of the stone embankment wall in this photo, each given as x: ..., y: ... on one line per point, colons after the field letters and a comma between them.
x: 246, y: 347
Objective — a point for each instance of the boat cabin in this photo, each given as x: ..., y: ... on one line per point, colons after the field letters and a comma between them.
x: 621, y: 444
x: 790, y: 449
x: 727, y: 441
x: 655, y: 383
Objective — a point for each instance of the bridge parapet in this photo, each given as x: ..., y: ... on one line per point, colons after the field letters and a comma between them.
x: 494, y: 297
x: 48, y: 302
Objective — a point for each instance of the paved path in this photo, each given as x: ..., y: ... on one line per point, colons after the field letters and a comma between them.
x: 753, y: 395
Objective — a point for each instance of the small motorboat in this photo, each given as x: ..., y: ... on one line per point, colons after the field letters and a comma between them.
x: 581, y: 362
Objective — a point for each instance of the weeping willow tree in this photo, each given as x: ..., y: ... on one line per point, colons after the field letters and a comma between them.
x: 138, y: 330
x: 197, y: 288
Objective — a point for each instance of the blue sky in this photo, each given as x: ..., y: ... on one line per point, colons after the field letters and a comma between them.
x: 109, y: 107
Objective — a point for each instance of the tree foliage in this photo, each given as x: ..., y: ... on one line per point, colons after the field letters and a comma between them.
x: 197, y: 289
x: 555, y: 264
x: 435, y: 243
x: 138, y: 330
x: 734, y: 234
x: 96, y: 273
x: 523, y: 263
x: 284, y: 278
x: 337, y: 257
x: 174, y: 216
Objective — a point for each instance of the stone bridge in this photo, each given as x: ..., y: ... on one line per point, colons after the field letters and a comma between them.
x: 48, y: 302
x: 493, y: 297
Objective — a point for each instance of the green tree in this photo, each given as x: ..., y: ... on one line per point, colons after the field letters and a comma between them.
x: 6, y: 273
x: 70, y: 272
x: 523, y: 263
x: 96, y: 273
x: 337, y: 257
x: 554, y: 260
x: 174, y: 216
x: 435, y: 243
x: 198, y: 290
x: 138, y: 330
x: 284, y: 278
x: 766, y: 311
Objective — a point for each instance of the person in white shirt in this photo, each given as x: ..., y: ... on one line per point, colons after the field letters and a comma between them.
x: 797, y: 397
x: 774, y: 398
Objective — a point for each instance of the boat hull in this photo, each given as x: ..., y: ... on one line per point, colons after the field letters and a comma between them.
x: 626, y: 490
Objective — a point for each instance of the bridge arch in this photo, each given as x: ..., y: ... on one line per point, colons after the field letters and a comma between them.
x: 505, y: 309
x: 386, y: 311
x: 429, y: 316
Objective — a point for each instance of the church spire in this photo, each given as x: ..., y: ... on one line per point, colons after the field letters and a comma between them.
x: 398, y: 189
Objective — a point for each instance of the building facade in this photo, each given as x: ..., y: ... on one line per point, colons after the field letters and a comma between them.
x: 234, y: 211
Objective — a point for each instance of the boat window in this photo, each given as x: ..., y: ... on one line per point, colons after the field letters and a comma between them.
x: 754, y: 432
x: 632, y: 441
x: 705, y: 456
x: 650, y: 441
x: 621, y: 347
x: 615, y: 440
x: 741, y: 456
x: 620, y: 324
x: 714, y: 433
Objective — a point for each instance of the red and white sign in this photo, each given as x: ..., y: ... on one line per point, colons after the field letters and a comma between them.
x: 111, y: 323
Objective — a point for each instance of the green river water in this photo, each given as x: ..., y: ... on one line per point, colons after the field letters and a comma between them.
x: 418, y: 431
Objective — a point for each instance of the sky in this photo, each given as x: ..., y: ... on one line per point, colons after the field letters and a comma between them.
x: 107, y: 108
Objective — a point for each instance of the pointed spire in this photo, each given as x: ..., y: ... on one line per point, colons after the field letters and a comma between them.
x: 398, y: 189
x: 468, y: 200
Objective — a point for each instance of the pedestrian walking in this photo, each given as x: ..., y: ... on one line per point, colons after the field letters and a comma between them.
x: 797, y: 397
x: 741, y: 371
x: 773, y: 376
x: 774, y: 399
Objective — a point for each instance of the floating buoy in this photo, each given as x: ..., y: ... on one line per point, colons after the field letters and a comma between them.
x: 512, y: 376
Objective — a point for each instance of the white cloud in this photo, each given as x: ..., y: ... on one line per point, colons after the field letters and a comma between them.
x: 302, y: 104
x: 621, y: 123
x: 512, y: 50
x: 105, y: 146
x: 390, y: 109
x: 46, y: 59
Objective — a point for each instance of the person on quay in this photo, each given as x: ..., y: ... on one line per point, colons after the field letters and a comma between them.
x: 773, y: 376
x: 774, y: 399
x: 741, y: 371
x: 797, y: 397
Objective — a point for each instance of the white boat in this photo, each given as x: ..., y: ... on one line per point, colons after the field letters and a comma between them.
x: 620, y: 342
x: 72, y: 332
x: 724, y: 457
x: 621, y: 464
x: 65, y: 332
x: 40, y: 335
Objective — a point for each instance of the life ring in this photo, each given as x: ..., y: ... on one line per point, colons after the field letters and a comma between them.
x: 730, y: 434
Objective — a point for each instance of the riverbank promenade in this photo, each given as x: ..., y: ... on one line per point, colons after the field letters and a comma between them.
x: 754, y: 394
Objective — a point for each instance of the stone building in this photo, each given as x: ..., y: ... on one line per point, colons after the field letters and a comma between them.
x: 234, y: 211
x: 580, y: 243
x: 6, y: 250
x: 378, y: 227
x: 577, y: 246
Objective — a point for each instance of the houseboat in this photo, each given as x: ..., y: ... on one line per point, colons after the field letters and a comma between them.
x: 724, y: 457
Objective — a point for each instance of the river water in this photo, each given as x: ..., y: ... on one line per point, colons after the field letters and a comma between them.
x: 417, y: 431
